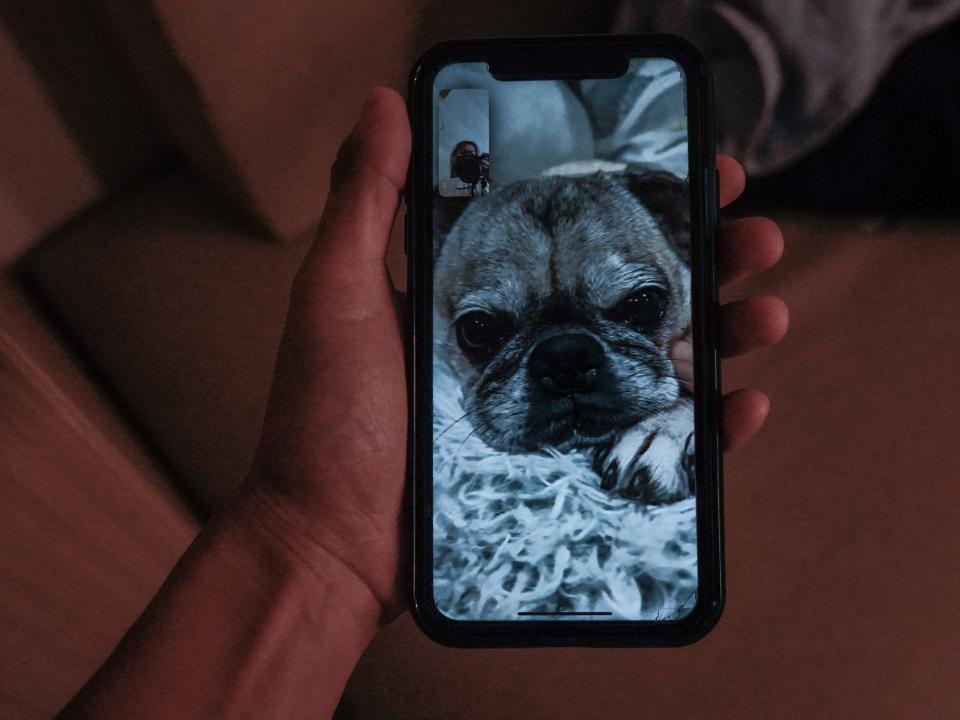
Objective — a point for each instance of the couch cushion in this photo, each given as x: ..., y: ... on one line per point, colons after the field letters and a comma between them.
x: 259, y: 95
x: 180, y: 307
x: 89, y: 525
x: 72, y: 125
x: 841, y: 520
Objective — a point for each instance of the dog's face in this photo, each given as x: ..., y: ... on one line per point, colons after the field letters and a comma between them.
x: 555, y: 301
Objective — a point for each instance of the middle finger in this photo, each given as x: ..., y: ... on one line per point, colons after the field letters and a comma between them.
x: 746, y: 246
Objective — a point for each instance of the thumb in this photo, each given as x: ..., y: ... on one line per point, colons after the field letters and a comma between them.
x: 342, y: 342
x: 681, y: 354
x: 365, y: 185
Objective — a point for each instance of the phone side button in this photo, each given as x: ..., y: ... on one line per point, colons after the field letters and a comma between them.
x: 716, y: 189
x: 711, y: 215
x: 716, y: 229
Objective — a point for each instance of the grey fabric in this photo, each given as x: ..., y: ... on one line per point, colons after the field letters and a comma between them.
x: 640, y: 117
x: 537, y: 126
x: 789, y: 73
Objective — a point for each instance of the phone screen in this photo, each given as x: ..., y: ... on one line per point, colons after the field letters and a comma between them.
x: 563, y: 421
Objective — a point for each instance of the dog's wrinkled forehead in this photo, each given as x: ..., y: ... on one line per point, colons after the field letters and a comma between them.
x: 589, y: 238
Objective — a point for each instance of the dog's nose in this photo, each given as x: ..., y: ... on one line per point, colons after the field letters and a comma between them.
x: 568, y: 363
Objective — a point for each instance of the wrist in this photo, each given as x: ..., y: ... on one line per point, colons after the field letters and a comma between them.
x: 272, y: 540
x: 250, y: 623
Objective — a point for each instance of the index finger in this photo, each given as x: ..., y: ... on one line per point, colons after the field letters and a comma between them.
x: 732, y: 179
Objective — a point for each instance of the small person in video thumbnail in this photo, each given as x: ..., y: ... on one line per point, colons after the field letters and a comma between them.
x: 465, y: 139
x: 471, y: 167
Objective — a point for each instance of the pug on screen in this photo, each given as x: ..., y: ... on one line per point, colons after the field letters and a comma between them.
x: 556, y: 300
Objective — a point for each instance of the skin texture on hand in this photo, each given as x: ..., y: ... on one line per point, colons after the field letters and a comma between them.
x: 272, y: 605
x: 332, y: 459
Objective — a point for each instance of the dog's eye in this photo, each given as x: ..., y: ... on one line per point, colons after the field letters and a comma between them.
x: 643, y: 308
x: 480, y: 334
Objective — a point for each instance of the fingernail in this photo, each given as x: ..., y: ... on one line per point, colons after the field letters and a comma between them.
x: 345, y: 160
x: 350, y: 148
x: 368, y: 103
x: 364, y: 110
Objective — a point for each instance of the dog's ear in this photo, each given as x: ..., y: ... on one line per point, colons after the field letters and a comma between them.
x: 667, y: 197
x: 446, y: 211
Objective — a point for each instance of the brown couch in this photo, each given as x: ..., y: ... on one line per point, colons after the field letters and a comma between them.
x: 163, y: 165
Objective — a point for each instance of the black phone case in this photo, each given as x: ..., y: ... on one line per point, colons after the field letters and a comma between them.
x: 561, y: 57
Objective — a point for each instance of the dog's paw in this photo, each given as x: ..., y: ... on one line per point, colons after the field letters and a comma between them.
x: 652, y: 462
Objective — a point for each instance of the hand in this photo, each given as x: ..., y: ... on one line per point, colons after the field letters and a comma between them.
x: 745, y: 246
x: 329, y: 472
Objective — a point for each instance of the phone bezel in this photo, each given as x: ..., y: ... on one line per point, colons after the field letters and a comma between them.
x: 531, y: 55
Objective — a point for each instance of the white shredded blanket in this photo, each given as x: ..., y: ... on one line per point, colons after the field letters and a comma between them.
x: 535, y: 533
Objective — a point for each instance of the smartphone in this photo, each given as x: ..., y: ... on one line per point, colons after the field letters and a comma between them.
x: 566, y: 471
